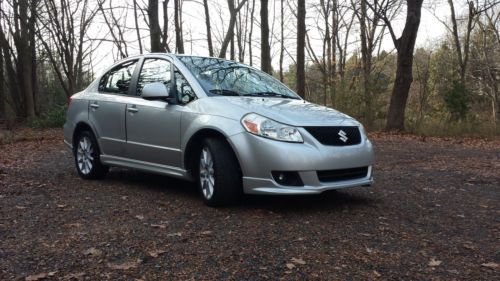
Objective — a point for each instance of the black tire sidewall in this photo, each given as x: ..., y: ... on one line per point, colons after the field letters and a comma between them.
x: 227, y: 176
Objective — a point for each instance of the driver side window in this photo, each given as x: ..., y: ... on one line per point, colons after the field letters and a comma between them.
x: 154, y: 70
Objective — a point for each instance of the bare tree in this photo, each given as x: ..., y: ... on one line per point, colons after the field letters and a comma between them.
x: 209, y: 31
x: 116, y: 30
x: 233, y: 11
x: 265, y: 49
x: 179, y: 40
x: 301, y: 42
x: 282, y: 38
x: 154, y: 26
x: 250, y: 33
x: 62, y: 32
x: 371, y: 34
x: 2, y: 86
x: 164, y: 41
x: 136, y: 21
x: 404, y: 73
x: 20, y: 59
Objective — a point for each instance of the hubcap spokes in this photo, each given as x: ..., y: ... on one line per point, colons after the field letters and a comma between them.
x: 207, y: 178
x: 84, y: 156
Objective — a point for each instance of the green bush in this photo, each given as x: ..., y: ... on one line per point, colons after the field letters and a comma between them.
x: 53, y: 118
x: 457, y: 101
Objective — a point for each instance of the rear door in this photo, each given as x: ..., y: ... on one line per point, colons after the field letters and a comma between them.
x: 153, y: 127
x: 107, y: 108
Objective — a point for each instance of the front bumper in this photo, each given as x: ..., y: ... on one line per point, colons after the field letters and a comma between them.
x: 259, y: 156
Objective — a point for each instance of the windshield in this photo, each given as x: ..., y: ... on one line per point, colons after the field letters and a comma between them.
x: 220, y: 77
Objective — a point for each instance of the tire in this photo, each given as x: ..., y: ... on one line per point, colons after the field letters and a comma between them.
x: 86, y: 152
x: 223, y: 174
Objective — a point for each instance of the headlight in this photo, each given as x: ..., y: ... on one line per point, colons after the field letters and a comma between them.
x: 265, y: 127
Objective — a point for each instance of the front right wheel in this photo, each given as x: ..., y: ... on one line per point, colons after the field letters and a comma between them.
x: 219, y: 175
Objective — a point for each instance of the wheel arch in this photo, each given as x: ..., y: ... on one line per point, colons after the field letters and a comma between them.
x: 193, y: 146
x: 80, y: 127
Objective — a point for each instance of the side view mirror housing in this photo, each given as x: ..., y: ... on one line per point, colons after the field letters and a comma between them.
x: 156, y: 91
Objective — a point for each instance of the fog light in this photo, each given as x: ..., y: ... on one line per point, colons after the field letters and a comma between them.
x: 287, y: 178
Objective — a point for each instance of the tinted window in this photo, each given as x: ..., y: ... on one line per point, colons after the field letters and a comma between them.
x: 184, y: 91
x: 154, y: 70
x: 118, y: 79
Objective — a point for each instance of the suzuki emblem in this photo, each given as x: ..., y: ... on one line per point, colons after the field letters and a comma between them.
x: 343, y: 136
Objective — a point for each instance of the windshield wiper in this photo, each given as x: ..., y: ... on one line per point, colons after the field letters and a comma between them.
x: 270, y: 94
x: 224, y: 92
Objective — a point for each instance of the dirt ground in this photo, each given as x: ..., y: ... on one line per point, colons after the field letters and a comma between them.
x: 433, y: 214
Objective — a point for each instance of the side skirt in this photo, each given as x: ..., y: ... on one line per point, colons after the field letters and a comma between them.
x: 145, y: 166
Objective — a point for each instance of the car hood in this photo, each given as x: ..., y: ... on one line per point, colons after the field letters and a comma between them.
x: 289, y: 111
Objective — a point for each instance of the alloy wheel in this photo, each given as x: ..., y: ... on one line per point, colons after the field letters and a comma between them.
x: 84, y: 156
x: 207, y: 177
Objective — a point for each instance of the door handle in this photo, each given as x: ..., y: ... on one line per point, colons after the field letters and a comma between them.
x: 132, y: 109
x: 94, y: 105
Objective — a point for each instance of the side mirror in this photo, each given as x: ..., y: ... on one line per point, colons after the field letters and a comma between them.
x: 155, y: 91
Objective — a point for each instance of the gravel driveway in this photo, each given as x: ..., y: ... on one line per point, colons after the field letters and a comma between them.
x: 433, y: 214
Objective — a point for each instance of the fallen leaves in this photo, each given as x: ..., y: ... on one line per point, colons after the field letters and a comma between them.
x: 160, y: 226
x: 491, y: 265
x: 126, y: 265
x: 298, y: 261
x: 433, y: 262
x: 40, y: 276
x: 290, y: 266
x: 73, y: 276
x: 92, y: 252
x: 156, y: 253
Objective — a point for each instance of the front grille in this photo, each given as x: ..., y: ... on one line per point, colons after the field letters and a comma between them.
x: 342, y: 174
x: 338, y: 135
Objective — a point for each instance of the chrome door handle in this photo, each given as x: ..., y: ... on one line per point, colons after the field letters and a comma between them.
x: 132, y: 109
x: 94, y: 105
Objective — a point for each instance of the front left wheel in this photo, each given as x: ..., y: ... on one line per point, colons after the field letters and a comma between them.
x: 86, y: 152
x: 219, y: 175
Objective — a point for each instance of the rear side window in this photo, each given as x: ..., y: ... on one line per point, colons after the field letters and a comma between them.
x: 154, y: 70
x: 117, y: 80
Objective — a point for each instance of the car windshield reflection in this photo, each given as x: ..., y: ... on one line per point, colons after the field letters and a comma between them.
x: 221, y: 77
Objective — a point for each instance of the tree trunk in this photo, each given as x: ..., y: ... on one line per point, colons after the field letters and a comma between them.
x: 301, y: 46
x: 154, y: 26
x: 178, y: 29
x: 231, y: 49
x: 136, y: 21
x: 25, y: 60
x: 366, y: 57
x: 250, y: 54
x: 404, y: 76
x: 209, y: 32
x: 233, y: 11
x: 282, y: 41
x: 265, y: 49
x: 165, y: 26
x: 2, y: 88
x: 10, y: 68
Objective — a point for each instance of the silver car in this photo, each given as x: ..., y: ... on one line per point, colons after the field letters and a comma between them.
x: 230, y: 127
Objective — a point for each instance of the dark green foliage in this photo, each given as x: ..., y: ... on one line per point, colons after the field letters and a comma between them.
x: 457, y: 101
x: 52, y: 118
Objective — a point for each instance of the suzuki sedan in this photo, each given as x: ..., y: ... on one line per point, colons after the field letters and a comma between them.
x: 230, y: 127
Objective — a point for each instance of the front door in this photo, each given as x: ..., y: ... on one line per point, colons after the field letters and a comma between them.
x: 107, y: 108
x: 153, y: 127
